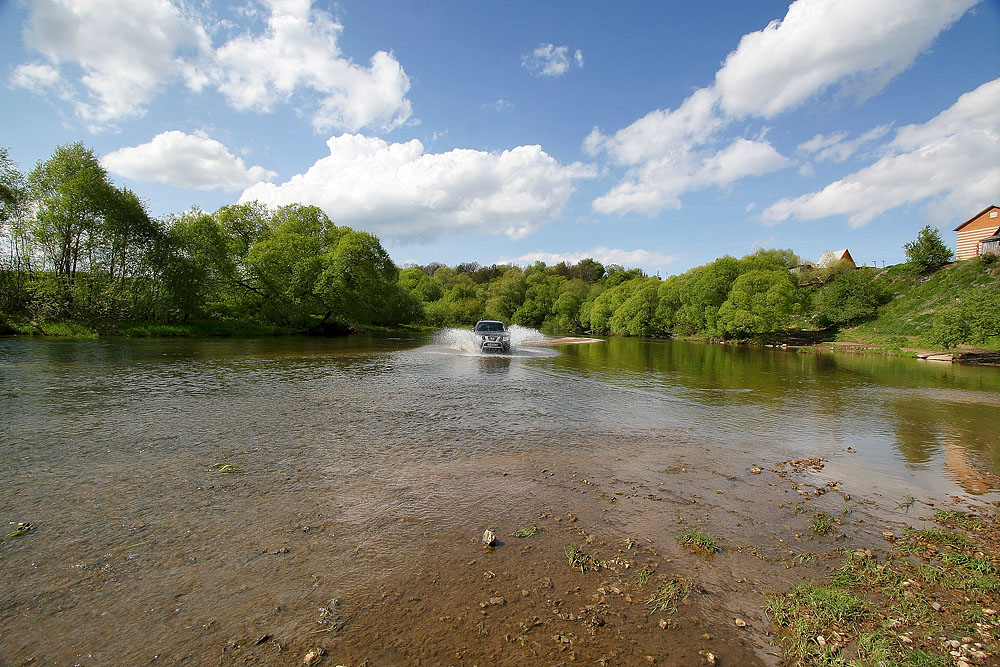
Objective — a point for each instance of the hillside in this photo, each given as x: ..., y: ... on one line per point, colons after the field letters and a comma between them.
x: 908, y: 319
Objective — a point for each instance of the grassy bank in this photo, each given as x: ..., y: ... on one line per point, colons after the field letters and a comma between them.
x: 191, y: 328
x: 928, y: 600
x: 907, y: 320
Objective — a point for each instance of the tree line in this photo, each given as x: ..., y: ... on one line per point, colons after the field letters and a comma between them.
x: 77, y: 248
x: 754, y: 296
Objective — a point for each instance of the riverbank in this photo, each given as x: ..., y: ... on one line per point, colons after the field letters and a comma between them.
x: 625, y: 554
x: 964, y: 354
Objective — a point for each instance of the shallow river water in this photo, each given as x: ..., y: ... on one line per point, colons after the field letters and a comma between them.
x: 370, y: 466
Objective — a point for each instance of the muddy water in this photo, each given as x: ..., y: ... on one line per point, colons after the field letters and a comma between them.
x: 374, y: 463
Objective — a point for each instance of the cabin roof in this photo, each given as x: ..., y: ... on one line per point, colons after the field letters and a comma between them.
x: 831, y: 256
x: 985, y: 210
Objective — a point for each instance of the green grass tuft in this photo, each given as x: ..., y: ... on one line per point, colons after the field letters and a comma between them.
x: 963, y: 520
x: 22, y: 529
x: 668, y: 595
x: 226, y: 468
x: 698, y: 541
x: 579, y: 559
x: 822, y: 524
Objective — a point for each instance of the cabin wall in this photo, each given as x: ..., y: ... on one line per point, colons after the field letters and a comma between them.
x: 970, y: 235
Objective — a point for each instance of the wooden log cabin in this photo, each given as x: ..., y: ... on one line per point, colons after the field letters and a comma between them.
x: 977, y: 234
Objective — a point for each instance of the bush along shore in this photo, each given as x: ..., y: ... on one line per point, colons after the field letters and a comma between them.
x: 83, y: 257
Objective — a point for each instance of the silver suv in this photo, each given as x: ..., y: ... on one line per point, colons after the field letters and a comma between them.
x: 492, y: 336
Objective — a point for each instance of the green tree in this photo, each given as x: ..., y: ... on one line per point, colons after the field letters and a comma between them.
x: 360, y: 282
x: 668, y: 304
x: 15, y: 238
x: 505, y: 295
x: 418, y: 283
x: 72, y: 198
x: 928, y: 252
x: 566, y: 309
x: 974, y: 319
x: 284, y: 266
x: 850, y: 297
x: 463, y: 306
x: 617, y: 274
x: 98, y: 241
x: 604, y: 306
x: 636, y: 316
x: 539, y: 300
x: 760, y: 302
x: 588, y: 270
x: 703, y: 291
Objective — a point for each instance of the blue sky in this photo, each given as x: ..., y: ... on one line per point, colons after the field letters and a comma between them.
x: 651, y: 134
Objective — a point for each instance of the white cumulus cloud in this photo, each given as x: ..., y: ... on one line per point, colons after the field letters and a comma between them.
x: 659, y: 183
x: 126, y: 51
x: 647, y: 260
x: 837, y: 148
x: 399, y: 191
x: 36, y: 77
x: 950, y: 161
x: 822, y: 43
x: 551, y: 60
x: 187, y: 161
x: 299, y: 51
x: 857, y: 45
x: 114, y: 57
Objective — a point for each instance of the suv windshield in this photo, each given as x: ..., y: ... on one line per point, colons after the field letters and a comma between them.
x: 490, y: 326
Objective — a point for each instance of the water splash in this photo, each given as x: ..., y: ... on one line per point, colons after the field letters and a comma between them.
x: 465, y: 341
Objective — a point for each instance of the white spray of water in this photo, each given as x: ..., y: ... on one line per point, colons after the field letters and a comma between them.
x: 465, y: 341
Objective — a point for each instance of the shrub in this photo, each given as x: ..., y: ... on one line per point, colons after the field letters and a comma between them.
x: 851, y: 298
x: 928, y: 252
x: 974, y: 319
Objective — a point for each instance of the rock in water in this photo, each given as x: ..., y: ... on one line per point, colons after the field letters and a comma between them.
x: 489, y: 538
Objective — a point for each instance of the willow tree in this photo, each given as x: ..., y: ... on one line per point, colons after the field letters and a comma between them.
x: 306, y: 269
x: 72, y: 196
x: 15, y: 240
x: 96, y: 242
x: 760, y: 302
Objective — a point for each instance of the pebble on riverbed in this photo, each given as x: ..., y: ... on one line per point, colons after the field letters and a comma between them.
x: 489, y: 538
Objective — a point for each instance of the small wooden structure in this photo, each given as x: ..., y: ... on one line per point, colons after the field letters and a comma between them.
x: 831, y: 256
x: 990, y: 245
x: 979, y: 234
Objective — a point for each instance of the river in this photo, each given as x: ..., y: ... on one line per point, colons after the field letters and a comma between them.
x: 370, y: 465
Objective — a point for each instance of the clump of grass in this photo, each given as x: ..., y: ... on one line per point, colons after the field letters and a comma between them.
x: 961, y: 519
x: 579, y: 559
x: 227, y: 468
x: 668, y: 595
x: 21, y: 529
x: 822, y: 524
x: 920, y: 658
x: 799, y: 508
x: 670, y: 471
x: 808, y: 611
x: 527, y: 532
x: 698, y: 541
x: 861, y: 568
x: 825, y: 606
x: 894, y: 609
x: 642, y: 577
x: 941, y: 537
x: 982, y: 565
